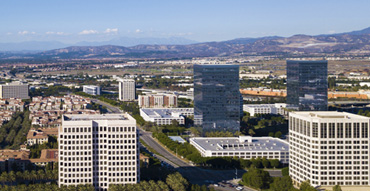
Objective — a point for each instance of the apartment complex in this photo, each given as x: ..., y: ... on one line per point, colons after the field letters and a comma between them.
x: 217, y: 97
x: 98, y: 150
x: 126, y: 90
x: 14, y: 90
x: 245, y: 147
x: 157, y: 101
x: 307, y: 84
x: 329, y: 148
x: 92, y: 90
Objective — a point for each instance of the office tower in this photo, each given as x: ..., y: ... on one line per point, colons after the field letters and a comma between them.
x: 307, y: 85
x: 329, y: 148
x: 217, y: 97
x: 92, y: 90
x: 98, y: 150
x: 14, y: 90
x: 157, y: 101
x: 126, y: 90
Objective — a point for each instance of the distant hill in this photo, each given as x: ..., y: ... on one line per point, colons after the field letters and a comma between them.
x: 121, y: 41
x: 351, y: 43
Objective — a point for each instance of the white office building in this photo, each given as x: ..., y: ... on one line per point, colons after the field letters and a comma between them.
x: 98, y: 150
x: 245, y: 147
x: 165, y: 116
x: 126, y: 90
x: 14, y: 90
x: 277, y: 108
x: 329, y: 148
x: 92, y: 90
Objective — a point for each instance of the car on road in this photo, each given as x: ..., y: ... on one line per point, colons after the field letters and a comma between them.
x: 239, y: 188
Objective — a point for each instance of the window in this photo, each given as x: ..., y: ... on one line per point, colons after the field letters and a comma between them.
x: 364, y: 131
x: 323, y: 130
x: 315, y: 130
x: 348, y: 130
x: 339, y: 130
x: 356, y: 130
x: 331, y: 130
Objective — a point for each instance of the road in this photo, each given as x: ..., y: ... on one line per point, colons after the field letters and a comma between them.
x: 194, y: 174
x: 110, y: 108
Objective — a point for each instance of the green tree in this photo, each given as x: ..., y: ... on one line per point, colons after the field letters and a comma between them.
x: 281, y: 184
x: 177, y: 182
x: 285, y: 171
x: 275, y: 163
x: 265, y: 163
x: 278, y: 134
x: 306, y: 186
x: 257, y: 178
x: 337, y: 188
x: 251, y: 132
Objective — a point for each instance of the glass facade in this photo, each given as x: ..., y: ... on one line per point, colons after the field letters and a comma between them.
x: 307, y: 84
x: 217, y: 97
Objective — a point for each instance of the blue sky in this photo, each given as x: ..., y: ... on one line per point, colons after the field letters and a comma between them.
x: 208, y: 20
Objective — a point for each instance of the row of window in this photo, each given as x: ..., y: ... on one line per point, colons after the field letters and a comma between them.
x: 98, y: 129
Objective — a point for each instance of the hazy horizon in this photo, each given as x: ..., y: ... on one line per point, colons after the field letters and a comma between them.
x: 70, y: 22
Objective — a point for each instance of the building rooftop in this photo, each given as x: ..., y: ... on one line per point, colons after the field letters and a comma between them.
x: 177, y: 138
x: 242, y: 143
x: 165, y: 112
x: 328, y: 115
x: 95, y: 117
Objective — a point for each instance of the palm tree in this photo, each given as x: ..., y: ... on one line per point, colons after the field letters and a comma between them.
x: 33, y: 176
x: 11, y: 177
x: 3, y: 177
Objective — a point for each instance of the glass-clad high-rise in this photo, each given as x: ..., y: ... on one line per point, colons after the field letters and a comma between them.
x: 217, y: 97
x: 307, y: 84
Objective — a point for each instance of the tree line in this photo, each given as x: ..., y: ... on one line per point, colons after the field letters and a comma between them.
x: 13, y: 133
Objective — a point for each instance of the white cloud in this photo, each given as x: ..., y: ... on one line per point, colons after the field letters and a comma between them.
x: 331, y: 31
x: 138, y: 31
x: 23, y: 32
x: 57, y: 33
x: 84, y: 32
x: 9, y: 33
x: 111, y: 31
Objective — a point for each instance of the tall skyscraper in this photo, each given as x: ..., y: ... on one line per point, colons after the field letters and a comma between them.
x: 217, y: 97
x: 329, y: 148
x: 307, y: 84
x: 126, y: 90
x: 98, y: 150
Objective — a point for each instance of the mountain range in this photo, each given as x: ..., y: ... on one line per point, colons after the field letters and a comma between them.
x: 38, y: 46
x: 351, y: 43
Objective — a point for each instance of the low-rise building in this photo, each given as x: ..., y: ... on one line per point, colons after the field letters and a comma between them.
x: 91, y: 89
x: 276, y: 109
x: 36, y: 137
x: 14, y: 158
x: 41, y: 135
x: 165, y: 116
x: 157, y: 101
x: 244, y: 147
x: 48, y: 156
